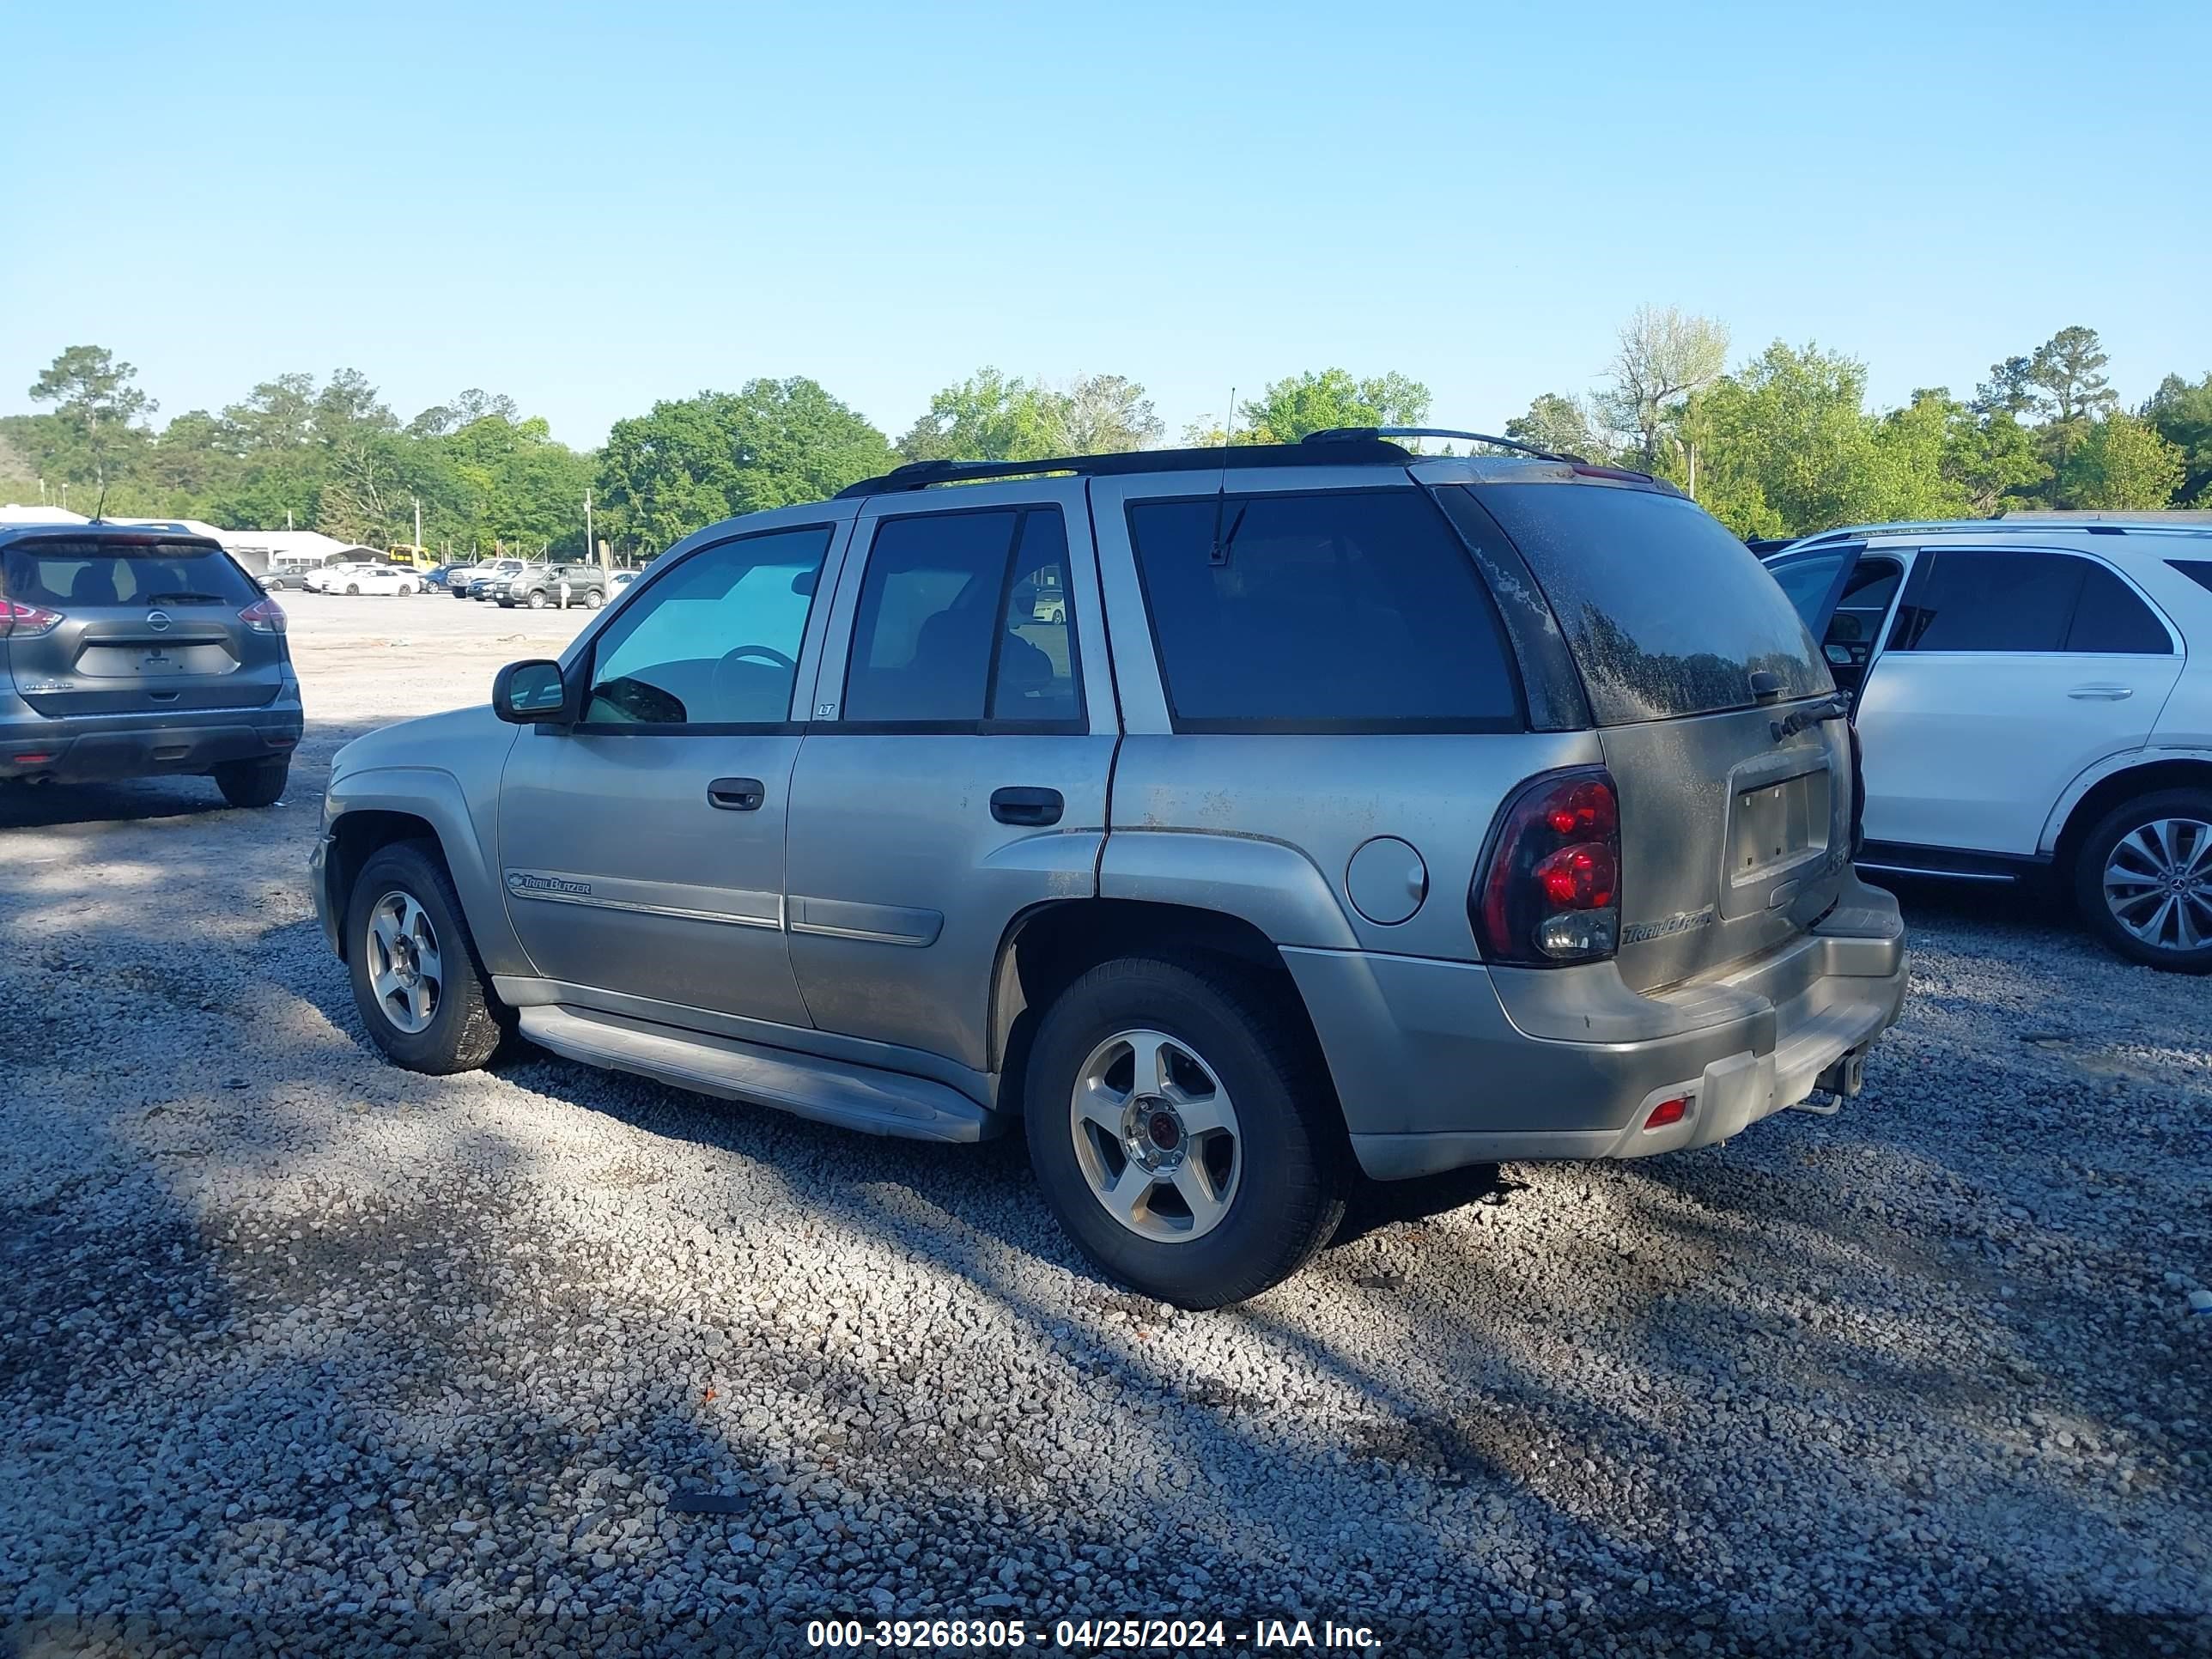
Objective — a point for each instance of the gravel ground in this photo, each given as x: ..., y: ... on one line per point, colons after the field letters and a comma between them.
x: 299, y: 1351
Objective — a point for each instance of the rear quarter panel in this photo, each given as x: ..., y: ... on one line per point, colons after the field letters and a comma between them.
x: 1265, y: 826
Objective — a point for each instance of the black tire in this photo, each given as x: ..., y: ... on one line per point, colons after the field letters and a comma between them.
x: 1289, y: 1194
x: 2193, y: 894
x: 354, y: 589
x: 537, y: 599
x: 466, y: 1022
x: 593, y: 598
x: 252, y: 783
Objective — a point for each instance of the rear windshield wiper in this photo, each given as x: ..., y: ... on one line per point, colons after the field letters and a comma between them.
x: 1836, y: 708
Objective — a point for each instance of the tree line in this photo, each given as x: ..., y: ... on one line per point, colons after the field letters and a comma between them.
x: 1784, y: 444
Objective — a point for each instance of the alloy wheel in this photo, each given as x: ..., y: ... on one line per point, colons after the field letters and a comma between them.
x: 2158, y: 884
x: 1156, y: 1136
x: 404, y: 969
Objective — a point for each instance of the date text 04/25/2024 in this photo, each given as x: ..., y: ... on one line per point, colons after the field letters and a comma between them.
x: 1090, y: 1634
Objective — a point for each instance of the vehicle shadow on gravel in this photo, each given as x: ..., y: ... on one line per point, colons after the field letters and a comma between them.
x: 1462, y: 1402
x: 54, y: 805
x: 1647, y: 1372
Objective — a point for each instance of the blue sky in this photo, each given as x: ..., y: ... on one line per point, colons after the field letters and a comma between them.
x: 590, y: 208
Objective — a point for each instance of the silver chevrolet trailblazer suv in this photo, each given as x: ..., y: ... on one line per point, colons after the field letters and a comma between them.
x: 1236, y: 820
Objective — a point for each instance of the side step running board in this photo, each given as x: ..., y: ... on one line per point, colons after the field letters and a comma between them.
x: 831, y: 1091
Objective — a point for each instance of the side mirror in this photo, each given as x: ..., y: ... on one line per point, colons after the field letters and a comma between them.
x: 531, y: 693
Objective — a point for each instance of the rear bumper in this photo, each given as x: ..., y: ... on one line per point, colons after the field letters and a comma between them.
x: 90, y: 749
x: 1437, y: 1070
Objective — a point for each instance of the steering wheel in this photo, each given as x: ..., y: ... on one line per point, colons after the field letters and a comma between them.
x: 772, y: 654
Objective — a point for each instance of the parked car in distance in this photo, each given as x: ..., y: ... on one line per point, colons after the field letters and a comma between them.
x: 540, y: 586
x: 621, y: 579
x: 331, y: 578
x: 129, y: 651
x: 463, y: 586
x: 490, y: 591
x: 385, y: 578
x: 286, y: 571
x: 1238, y: 821
x: 439, y: 575
x: 2033, y: 700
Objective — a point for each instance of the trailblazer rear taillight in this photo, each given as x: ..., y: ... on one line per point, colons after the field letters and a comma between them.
x: 27, y: 622
x: 1551, y: 891
x: 266, y: 617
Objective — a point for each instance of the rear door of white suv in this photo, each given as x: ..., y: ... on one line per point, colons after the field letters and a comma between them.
x: 2005, y: 673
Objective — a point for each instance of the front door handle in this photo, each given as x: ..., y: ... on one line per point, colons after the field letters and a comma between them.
x: 2102, y: 693
x: 1038, y: 806
x: 736, y: 794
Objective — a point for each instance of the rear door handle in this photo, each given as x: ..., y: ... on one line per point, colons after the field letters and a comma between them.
x: 2102, y: 693
x: 736, y: 794
x: 1027, y: 806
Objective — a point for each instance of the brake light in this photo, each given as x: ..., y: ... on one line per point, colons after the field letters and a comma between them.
x: 266, y: 616
x: 27, y: 621
x: 1550, y: 892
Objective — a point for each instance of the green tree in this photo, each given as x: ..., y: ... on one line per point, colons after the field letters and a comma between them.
x: 2008, y: 390
x: 1561, y: 423
x: 1664, y: 354
x: 2121, y: 462
x: 2067, y: 374
x: 1107, y: 415
x: 688, y: 464
x: 2181, y: 413
x: 1288, y: 409
x: 277, y: 415
x: 1991, y: 458
x: 798, y: 443
x: 1910, y: 479
x: 1784, y: 447
x: 97, y: 409
x: 987, y: 417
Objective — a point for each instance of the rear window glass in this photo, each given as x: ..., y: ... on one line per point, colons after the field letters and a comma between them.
x: 61, y: 574
x: 1667, y: 613
x: 1338, y: 610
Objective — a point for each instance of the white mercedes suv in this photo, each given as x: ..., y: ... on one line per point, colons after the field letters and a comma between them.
x: 2032, y: 697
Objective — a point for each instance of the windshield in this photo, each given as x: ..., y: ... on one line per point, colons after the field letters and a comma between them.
x: 62, y: 572
x: 1666, y: 613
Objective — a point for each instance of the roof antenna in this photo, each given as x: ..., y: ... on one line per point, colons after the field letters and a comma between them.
x: 100, y: 508
x: 1218, y: 555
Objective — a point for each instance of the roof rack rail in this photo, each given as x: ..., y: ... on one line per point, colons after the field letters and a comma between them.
x: 1236, y: 457
x: 1337, y: 434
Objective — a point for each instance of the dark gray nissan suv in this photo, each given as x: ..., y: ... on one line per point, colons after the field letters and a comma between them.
x: 127, y: 651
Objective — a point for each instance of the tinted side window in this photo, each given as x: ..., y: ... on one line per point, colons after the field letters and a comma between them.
x: 1667, y: 613
x: 1336, y: 610
x: 1034, y: 679
x: 715, y: 641
x: 1805, y: 580
x: 2111, y: 619
x: 964, y: 618
x: 2198, y: 570
x: 1990, y: 601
